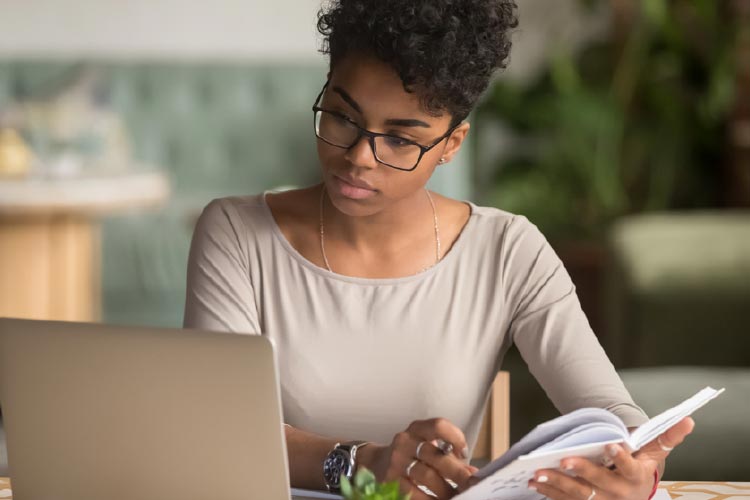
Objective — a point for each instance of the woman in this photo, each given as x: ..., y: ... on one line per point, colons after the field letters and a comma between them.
x: 392, y: 307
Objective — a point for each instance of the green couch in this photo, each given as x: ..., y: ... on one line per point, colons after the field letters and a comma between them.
x: 679, y: 319
x: 679, y: 290
x: 717, y: 448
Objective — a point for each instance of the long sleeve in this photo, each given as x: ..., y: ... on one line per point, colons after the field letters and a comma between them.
x: 551, y: 331
x: 220, y: 296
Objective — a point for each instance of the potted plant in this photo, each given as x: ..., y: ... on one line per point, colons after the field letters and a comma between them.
x: 365, y: 487
x: 635, y: 121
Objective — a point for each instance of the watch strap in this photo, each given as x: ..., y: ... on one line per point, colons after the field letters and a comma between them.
x: 350, y: 448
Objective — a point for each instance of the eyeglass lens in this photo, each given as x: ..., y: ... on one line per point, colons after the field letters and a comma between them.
x: 338, y: 131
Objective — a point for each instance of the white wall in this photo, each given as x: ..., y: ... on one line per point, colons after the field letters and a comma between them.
x: 227, y: 29
x: 245, y: 29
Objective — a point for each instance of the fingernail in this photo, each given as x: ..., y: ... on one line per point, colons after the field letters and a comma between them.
x: 613, y: 450
x: 532, y: 488
x: 465, y: 452
x: 567, y: 466
x: 542, y: 479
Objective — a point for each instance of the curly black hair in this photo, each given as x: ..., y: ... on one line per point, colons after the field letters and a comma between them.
x: 444, y: 50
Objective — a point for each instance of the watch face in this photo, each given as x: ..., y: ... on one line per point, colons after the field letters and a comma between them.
x: 335, y: 465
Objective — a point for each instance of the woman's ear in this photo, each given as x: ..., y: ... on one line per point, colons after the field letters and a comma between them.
x: 454, y: 141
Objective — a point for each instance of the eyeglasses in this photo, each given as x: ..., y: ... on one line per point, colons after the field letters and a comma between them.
x: 396, y: 152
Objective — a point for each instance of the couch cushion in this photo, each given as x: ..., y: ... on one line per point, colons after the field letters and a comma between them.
x: 717, y: 448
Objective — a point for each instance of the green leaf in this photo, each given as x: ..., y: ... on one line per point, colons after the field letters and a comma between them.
x: 346, y: 488
x: 656, y: 11
x: 363, y: 478
x: 366, y: 487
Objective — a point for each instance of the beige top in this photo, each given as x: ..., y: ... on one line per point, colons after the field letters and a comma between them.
x: 362, y: 358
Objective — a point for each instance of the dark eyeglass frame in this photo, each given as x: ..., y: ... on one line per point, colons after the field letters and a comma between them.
x: 372, y: 135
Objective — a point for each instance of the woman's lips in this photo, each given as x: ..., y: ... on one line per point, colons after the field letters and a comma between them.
x: 349, y: 190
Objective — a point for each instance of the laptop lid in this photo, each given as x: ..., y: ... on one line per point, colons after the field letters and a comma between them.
x: 94, y: 411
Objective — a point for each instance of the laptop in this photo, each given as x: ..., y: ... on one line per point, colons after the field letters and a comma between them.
x: 94, y: 411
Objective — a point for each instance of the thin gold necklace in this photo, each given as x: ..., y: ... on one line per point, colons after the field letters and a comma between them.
x: 323, y: 233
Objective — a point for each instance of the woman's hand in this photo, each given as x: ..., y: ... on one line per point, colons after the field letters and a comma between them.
x: 402, y: 461
x: 632, y: 478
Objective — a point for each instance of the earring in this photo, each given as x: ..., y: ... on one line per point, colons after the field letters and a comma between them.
x: 441, y: 160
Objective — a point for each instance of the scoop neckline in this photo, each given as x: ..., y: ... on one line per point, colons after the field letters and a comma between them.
x: 301, y: 259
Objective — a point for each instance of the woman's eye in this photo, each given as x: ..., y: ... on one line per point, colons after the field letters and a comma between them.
x: 397, y: 141
x: 344, y: 118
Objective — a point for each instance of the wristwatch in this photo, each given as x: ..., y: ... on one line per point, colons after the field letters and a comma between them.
x: 341, y: 461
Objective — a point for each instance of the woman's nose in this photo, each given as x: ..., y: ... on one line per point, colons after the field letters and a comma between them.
x: 361, y: 154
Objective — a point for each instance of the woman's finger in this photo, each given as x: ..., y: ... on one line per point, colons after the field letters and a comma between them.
x: 448, y: 466
x: 627, y: 466
x: 424, y: 475
x: 571, y: 487
x: 553, y: 492
x: 409, y: 488
x: 596, y: 475
x: 659, y: 448
x: 441, y: 428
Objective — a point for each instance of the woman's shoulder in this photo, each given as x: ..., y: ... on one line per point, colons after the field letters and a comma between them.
x: 503, y: 225
x: 253, y: 216
x: 233, y: 210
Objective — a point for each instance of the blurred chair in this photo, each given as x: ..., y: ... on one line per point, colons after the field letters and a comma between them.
x: 494, y: 434
x: 3, y: 452
x: 679, y: 318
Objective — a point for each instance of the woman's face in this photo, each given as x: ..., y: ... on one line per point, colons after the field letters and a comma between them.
x: 370, y: 93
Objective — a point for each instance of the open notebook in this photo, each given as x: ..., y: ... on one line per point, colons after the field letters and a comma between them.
x: 582, y: 433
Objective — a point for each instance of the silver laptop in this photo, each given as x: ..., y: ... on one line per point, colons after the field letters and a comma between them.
x: 97, y: 412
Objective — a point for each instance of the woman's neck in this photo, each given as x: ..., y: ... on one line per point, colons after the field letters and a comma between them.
x: 390, y: 230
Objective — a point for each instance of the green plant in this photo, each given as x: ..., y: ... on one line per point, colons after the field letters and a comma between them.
x: 633, y: 122
x: 365, y: 487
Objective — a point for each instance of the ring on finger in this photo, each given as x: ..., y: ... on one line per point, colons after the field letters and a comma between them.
x: 410, y: 467
x: 662, y: 445
x: 419, y: 448
x: 592, y: 495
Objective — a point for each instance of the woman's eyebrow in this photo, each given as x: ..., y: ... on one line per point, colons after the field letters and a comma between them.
x: 398, y: 122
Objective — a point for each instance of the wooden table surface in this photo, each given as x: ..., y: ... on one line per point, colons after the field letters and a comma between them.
x: 683, y: 490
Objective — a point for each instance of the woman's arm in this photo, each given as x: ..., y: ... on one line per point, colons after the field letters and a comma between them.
x: 562, y: 352
x: 306, y: 452
x: 552, y: 333
x: 410, y: 459
x: 219, y: 295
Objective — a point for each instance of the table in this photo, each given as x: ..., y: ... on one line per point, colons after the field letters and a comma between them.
x: 49, y: 239
x: 684, y: 490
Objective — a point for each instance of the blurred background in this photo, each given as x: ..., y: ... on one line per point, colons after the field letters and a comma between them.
x: 621, y: 128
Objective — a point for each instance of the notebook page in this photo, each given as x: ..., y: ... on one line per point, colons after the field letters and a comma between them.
x: 662, y: 422
x: 596, y: 432
x: 549, y: 431
x: 511, y: 483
